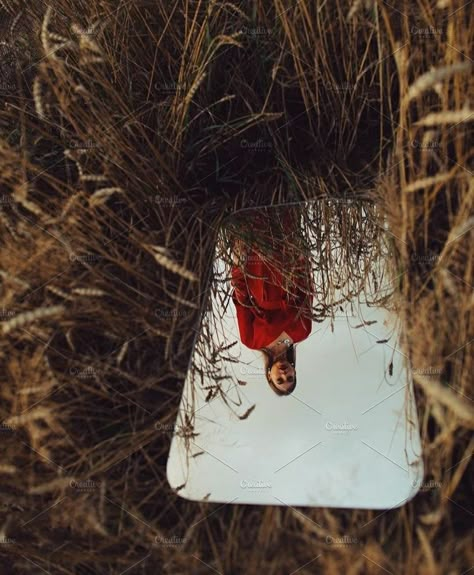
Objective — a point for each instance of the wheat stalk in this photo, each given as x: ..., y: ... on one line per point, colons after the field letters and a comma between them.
x: 356, y: 6
x: 183, y: 301
x: 121, y: 353
x: 6, y: 276
x: 193, y: 89
x: 85, y: 42
x: 60, y: 483
x: 434, y: 76
x: 29, y: 317
x: 101, y: 196
x: 70, y: 155
x: 59, y: 292
x: 435, y: 391
x: 94, y: 178
x: 6, y: 222
x: 57, y: 38
x: 447, y: 117
x: 89, y: 292
x: 37, y: 97
x: 8, y: 7
x: 45, y: 31
x: 34, y: 414
x: 460, y: 229
x: 162, y: 256
x: 430, y: 181
x: 85, y: 60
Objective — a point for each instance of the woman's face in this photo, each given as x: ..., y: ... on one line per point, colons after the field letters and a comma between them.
x: 282, y: 374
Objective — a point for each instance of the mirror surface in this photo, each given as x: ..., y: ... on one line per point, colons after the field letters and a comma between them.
x: 346, y: 435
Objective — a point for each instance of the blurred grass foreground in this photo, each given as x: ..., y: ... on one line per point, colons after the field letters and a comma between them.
x: 128, y: 130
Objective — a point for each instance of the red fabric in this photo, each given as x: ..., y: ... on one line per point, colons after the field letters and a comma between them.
x: 264, y: 307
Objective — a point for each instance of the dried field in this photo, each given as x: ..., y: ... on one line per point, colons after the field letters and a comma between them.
x: 128, y: 131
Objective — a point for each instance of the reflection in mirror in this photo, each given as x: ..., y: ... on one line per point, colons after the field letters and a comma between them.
x: 272, y: 295
x: 298, y: 390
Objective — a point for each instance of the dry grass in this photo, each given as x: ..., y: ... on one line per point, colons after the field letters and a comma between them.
x: 128, y: 132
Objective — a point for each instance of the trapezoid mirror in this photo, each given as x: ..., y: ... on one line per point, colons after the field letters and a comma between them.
x: 298, y: 391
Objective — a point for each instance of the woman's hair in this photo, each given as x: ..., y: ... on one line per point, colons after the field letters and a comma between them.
x: 269, y: 360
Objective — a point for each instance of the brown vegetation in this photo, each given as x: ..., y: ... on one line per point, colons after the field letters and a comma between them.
x: 128, y: 131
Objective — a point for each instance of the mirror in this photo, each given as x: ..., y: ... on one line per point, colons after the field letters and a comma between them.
x: 298, y: 390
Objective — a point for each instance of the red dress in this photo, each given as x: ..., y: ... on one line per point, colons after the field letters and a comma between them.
x: 265, y: 308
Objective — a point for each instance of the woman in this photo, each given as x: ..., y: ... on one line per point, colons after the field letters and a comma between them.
x: 273, y: 308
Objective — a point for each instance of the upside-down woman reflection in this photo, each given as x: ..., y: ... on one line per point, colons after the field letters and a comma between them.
x: 273, y: 298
